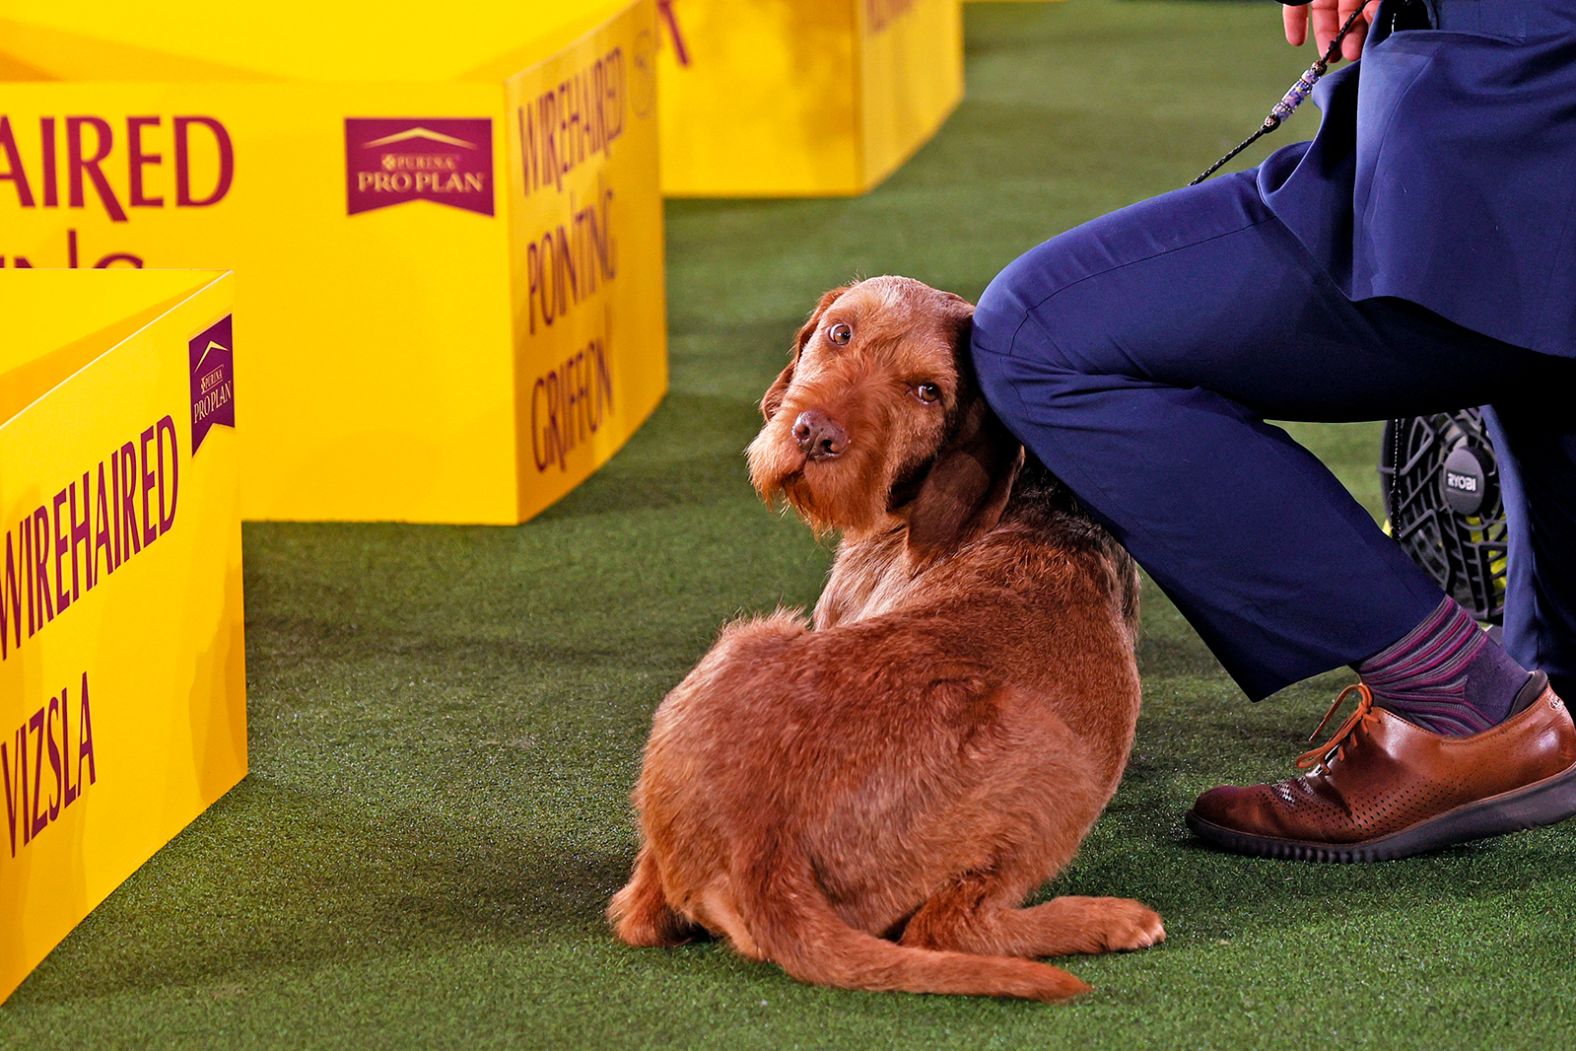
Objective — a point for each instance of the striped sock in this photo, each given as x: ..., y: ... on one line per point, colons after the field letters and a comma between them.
x: 1445, y: 675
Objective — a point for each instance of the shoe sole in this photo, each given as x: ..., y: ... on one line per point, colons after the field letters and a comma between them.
x: 1541, y: 803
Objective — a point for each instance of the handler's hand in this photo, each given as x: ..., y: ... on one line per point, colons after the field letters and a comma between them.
x: 1328, y: 17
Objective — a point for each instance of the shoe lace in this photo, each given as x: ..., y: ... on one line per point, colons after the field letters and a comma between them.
x: 1337, y: 743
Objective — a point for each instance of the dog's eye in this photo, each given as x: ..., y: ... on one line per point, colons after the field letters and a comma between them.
x: 840, y: 334
x: 927, y: 393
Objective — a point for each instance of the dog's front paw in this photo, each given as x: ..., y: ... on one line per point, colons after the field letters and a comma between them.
x: 1122, y: 924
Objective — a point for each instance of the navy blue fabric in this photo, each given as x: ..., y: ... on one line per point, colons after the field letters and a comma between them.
x: 1138, y: 357
x: 1443, y: 170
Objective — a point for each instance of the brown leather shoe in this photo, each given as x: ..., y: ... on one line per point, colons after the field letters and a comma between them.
x: 1383, y: 788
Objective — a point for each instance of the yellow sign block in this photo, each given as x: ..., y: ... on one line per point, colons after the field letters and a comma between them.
x: 450, y: 248
x: 122, y: 664
x: 802, y: 97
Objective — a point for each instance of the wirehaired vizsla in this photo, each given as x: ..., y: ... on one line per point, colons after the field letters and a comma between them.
x: 867, y: 799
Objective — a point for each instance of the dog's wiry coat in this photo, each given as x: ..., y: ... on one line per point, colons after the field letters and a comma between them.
x: 867, y: 800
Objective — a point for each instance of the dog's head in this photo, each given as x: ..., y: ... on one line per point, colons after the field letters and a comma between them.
x: 877, y: 420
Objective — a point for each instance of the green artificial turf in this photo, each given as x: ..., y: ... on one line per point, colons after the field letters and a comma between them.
x: 445, y: 722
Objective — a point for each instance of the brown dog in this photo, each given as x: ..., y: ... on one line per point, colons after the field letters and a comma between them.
x: 867, y: 803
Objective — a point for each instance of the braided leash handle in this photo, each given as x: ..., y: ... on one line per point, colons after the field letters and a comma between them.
x: 1296, y: 96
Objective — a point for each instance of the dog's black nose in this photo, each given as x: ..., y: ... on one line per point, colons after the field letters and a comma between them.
x: 818, y: 436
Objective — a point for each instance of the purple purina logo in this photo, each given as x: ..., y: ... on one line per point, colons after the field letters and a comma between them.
x: 439, y: 159
x: 212, y: 357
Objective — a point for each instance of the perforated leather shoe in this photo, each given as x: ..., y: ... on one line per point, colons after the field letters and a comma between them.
x: 1384, y: 788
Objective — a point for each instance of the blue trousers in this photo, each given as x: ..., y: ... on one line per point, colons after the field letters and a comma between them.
x: 1138, y: 357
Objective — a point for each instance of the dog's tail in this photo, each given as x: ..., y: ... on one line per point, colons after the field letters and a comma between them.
x: 794, y: 926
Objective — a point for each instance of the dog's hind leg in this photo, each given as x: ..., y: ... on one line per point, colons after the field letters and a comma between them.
x: 791, y: 922
x: 1043, y: 796
x: 1071, y: 924
x: 972, y: 915
x: 640, y: 913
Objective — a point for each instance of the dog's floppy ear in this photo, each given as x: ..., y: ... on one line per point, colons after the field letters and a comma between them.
x: 966, y: 489
x: 773, y: 398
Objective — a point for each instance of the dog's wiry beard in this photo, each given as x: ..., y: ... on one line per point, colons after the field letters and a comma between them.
x: 772, y: 462
x: 848, y: 495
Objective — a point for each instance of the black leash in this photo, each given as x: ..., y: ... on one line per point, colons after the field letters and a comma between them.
x: 1291, y: 100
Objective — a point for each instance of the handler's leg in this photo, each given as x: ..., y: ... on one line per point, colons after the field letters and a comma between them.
x: 1536, y: 444
x: 1138, y: 357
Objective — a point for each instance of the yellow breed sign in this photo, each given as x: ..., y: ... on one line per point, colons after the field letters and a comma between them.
x: 802, y: 97
x: 586, y: 226
x: 122, y: 666
x: 450, y: 251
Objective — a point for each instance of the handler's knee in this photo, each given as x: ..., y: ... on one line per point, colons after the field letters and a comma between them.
x: 997, y: 377
x: 1022, y: 353
x: 1007, y: 302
